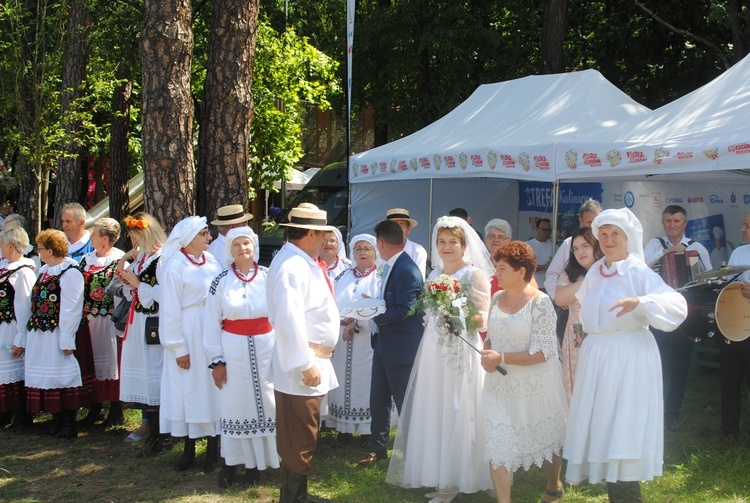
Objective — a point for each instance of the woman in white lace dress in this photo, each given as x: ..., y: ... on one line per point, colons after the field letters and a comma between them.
x: 440, y: 441
x: 524, y: 411
x: 616, y: 427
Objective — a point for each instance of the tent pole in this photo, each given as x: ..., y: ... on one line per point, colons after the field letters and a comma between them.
x: 429, y: 224
x: 555, y: 203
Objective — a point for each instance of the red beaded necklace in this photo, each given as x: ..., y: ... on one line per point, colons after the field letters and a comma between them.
x: 369, y: 271
x: 194, y: 262
x: 334, y: 265
x: 241, y: 277
x: 604, y: 274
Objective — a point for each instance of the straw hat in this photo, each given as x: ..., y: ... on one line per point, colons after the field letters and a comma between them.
x: 308, y: 216
x: 232, y: 214
x: 400, y: 214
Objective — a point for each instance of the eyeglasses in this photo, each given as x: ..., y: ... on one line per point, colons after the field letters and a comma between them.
x: 497, y: 237
x: 366, y: 249
x: 204, y: 233
x: 39, y: 248
x: 545, y: 229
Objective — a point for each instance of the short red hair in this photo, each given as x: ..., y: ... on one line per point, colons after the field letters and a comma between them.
x: 518, y: 254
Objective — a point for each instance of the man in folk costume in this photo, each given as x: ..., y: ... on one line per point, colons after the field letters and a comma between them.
x: 227, y: 218
x: 73, y: 218
x: 302, y: 310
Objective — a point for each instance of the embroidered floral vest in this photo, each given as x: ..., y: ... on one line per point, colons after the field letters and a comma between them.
x: 45, y: 302
x: 8, y: 296
x: 95, y: 301
x: 149, y: 277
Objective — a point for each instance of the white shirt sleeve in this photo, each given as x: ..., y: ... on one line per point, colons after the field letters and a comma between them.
x: 212, y: 318
x: 23, y: 282
x: 171, y: 334
x: 556, y: 268
x: 71, y: 307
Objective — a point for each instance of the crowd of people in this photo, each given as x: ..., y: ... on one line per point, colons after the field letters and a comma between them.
x: 207, y: 343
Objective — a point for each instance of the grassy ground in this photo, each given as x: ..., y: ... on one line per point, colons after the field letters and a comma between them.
x: 100, y: 467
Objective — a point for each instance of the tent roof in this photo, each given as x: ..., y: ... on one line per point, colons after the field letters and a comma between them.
x: 706, y: 130
x: 512, y: 126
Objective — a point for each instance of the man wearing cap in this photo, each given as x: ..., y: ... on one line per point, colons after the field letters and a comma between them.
x: 302, y: 310
x: 227, y: 218
x: 417, y: 253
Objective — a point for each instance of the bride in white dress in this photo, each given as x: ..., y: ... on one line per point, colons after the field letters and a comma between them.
x: 440, y: 441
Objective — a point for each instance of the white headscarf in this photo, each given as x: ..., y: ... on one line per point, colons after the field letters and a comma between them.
x: 239, y: 232
x: 630, y: 225
x: 181, y: 235
x: 341, y: 252
x: 476, y: 253
x: 368, y: 238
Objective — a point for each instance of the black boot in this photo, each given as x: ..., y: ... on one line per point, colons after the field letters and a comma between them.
x: 21, y: 419
x: 226, y: 476
x: 252, y: 477
x: 155, y: 443
x: 304, y: 497
x: 343, y: 440
x: 92, y: 417
x: 115, y: 416
x: 69, y: 430
x: 290, y: 484
x: 6, y: 418
x: 55, y: 425
x: 624, y: 492
x: 212, y: 455
x: 188, y: 455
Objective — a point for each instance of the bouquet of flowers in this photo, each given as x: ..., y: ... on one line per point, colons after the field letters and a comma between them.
x: 440, y: 295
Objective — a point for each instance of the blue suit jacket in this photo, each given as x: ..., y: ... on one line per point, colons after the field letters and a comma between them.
x: 399, y: 334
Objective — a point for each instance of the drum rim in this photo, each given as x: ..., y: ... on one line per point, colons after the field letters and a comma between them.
x: 736, y: 285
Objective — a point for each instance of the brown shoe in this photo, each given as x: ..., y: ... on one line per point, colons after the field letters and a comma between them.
x: 372, y: 458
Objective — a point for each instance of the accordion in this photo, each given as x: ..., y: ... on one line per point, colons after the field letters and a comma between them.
x: 679, y: 268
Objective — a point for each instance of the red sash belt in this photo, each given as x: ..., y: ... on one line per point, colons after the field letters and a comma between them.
x: 248, y: 327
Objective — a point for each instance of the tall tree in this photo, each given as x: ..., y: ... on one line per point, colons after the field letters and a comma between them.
x: 69, y: 171
x: 227, y: 109
x: 553, y: 35
x: 167, y: 110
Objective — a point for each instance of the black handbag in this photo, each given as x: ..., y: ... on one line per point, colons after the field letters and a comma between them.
x: 152, y: 330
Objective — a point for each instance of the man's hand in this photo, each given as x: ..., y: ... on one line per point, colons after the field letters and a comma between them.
x: 745, y: 290
x: 184, y: 362
x: 219, y: 373
x: 678, y: 248
x: 311, y: 376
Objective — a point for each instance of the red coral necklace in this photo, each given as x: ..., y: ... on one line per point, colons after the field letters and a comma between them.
x: 606, y: 275
x: 194, y: 262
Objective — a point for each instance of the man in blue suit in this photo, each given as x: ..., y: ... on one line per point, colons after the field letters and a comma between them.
x: 397, y: 340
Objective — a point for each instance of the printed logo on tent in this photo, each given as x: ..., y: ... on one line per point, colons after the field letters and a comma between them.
x: 424, y: 162
x: 711, y: 153
x: 636, y: 156
x: 739, y: 148
x: 592, y: 159
x: 614, y: 157
x: 492, y: 159
x: 714, y: 199
x: 695, y: 199
x: 660, y: 154
x: 477, y: 161
x: 684, y: 155
x: 437, y: 160
x: 541, y: 162
x: 629, y: 199
x: 507, y: 161
x: 571, y: 159
x: 450, y: 161
x: 746, y: 199
x: 523, y: 160
x: 673, y: 200
x: 463, y: 160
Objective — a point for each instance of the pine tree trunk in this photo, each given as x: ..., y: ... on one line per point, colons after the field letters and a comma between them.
x: 119, y: 202
x: 227, y: 111
x: 69, y: 173
x: 167, y: 111
x: 553, y: 35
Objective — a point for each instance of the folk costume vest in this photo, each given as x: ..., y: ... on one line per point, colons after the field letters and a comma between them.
x: 148, y: 275
x: 45, y: 305
x: 95, y: 301
x: 8, y: 296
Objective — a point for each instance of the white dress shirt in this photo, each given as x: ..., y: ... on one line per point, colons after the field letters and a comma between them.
x: 418, y: 254
x: 556, y: 268
x: 654, y: 250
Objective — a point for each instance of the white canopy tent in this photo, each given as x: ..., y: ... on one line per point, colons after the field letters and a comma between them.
x: 505, y: 131
x: 702, y: 132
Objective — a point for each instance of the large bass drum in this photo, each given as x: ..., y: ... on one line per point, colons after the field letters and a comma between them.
x: 733, y: 313
x: 701, y: 298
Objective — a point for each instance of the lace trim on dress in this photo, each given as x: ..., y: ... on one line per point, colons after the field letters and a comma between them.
x: 544, y: 327
x: 506, y: 444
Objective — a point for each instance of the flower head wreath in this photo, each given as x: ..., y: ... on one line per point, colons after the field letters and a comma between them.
x: 135, y: 223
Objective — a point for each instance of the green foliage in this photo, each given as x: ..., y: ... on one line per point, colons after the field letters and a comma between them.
x: 288, y: 72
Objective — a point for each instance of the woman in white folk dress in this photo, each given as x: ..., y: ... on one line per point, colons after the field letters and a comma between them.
x: 99, y: 270
x: 349, y: 404
x: 16, y: 281
x: 189, y: 399
x: 524, y: 410
x: 141, y: 362
x: 616, y: 422
x: 239, y: 343
x: 54, y: 381
x: 440, y: 440
x: 333, y: 254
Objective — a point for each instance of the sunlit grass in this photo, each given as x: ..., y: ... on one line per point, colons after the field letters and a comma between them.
x: 100, y: 467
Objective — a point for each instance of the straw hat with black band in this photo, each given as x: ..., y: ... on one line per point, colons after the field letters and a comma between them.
x: 231, y: 214
x: 401, y: 214
x: 308, y: 216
